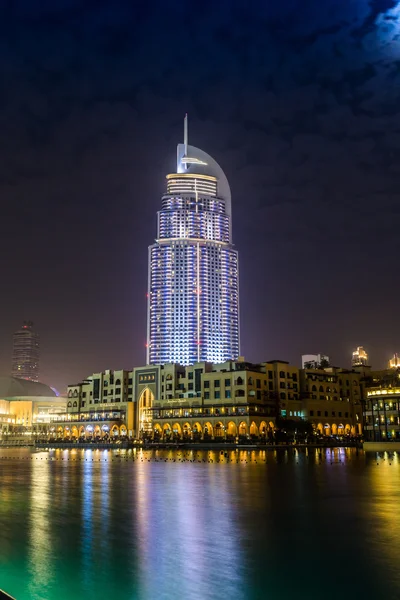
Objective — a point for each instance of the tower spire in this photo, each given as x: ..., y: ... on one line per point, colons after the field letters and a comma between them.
x: 185, y: 133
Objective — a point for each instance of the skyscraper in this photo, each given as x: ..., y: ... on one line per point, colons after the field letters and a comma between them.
x: 359, y: 357
x: 193, y: 295
x: 25, y: 356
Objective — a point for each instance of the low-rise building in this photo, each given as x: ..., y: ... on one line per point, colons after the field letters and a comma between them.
x: 27, y: 408
x: 231, y: 400
x: 382, y: 414
x: 332, y: 400
x: 99, y: 407
x: 206, y: 401
x: 382, y: 405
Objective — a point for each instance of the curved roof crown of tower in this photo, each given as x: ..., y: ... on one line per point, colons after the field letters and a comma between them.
x: 197, y: 162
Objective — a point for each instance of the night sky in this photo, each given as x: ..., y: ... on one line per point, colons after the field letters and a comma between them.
x: 299, y: 102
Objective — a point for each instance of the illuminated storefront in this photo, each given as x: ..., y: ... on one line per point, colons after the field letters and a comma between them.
x: 382, y: 414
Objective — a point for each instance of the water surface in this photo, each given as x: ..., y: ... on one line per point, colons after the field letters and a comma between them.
x: 251, y: 525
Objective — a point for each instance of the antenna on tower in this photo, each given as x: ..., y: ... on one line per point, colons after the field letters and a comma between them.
x: 185, y: 133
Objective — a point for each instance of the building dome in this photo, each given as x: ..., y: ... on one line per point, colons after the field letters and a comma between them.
x: 11, y: 387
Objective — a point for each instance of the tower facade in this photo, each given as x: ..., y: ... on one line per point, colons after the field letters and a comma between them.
x: 25, y: 356
x: 359, y: 357
x: 193, y: 294
x: 394, y: 363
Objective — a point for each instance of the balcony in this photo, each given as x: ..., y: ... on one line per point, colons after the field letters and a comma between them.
x: 88, y: 417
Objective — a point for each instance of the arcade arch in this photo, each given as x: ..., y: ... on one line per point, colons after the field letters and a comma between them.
x: 263, y: 428
x: 242, y: 428
x: 253, y: 429
x: 187, y: 430
x: 219, y: 430
x: 208, y: 430
x: 231, y: 429
x: 145, y: 404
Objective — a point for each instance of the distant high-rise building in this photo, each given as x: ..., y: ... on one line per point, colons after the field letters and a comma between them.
x: 360, y: 357
x: 314, y: 361
x: 193, y: 294
x: 394, y: 363
x: 25, y: 356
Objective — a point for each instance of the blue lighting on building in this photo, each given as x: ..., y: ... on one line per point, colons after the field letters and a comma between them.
x: 193, y: 297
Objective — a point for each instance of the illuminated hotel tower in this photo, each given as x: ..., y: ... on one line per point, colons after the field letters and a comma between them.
x: 193, y: 296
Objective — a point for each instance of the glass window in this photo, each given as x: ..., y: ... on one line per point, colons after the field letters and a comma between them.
x: 206, y: 384
x: 217, y: 395
x: 227, y: 393
x: 206, y: 395
x: 227, y: 382
x: 217, y: 383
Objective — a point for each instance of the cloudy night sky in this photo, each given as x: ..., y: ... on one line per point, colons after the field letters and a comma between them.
x: 299, y: 103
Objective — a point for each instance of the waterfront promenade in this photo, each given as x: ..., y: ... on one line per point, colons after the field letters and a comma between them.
x: 210, y: 444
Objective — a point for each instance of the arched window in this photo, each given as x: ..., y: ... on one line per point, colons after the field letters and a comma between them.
x: 321, y: 389
x: 75, y: 404
x: 117, y: 382
x: 70, y: 394
x: 314, y: 388
x: 250, y: 381
x: 75, y: 393
x: 239, y: 381
x: 328, y: 389
x: 168, y: 377
x: 69, y: 404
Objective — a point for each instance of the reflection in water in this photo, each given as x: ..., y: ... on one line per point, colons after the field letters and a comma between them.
x: 381, y: 509
x: 246, y: 525
x: 40, y: 538
x: 86, y: 539
x: 187, y: 532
